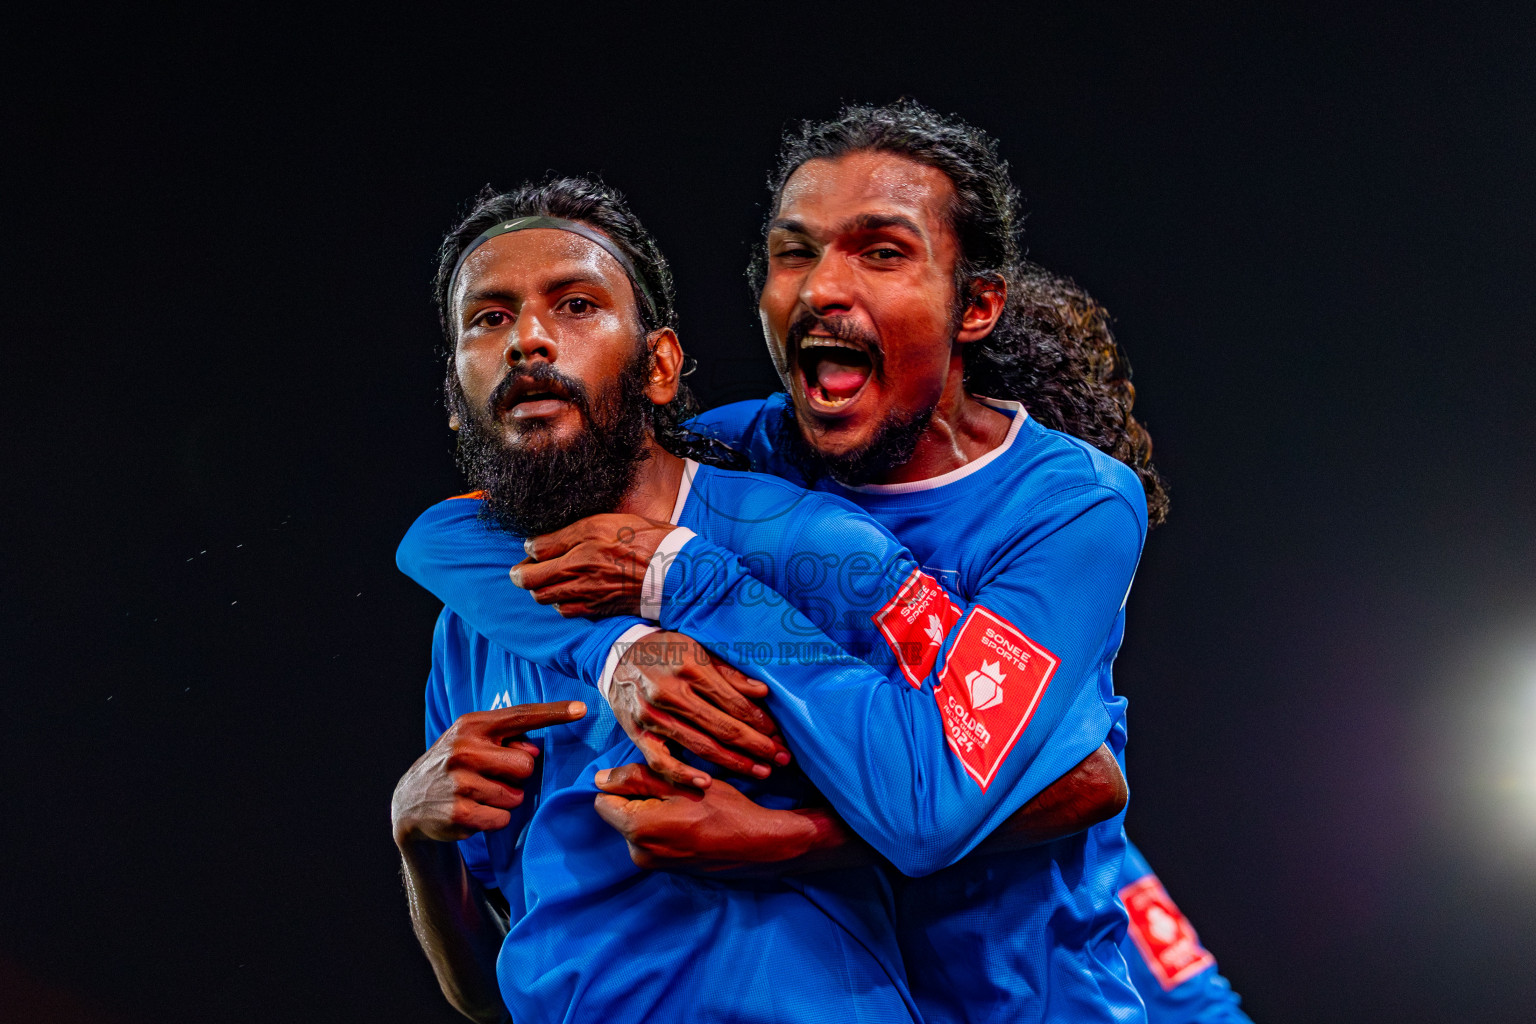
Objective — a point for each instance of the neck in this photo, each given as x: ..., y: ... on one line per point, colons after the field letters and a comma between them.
x: 654, y: 491
x: 961, y: 431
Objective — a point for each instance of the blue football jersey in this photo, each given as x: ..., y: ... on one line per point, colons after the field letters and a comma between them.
x: 593, y: 937
x: 972, y: 683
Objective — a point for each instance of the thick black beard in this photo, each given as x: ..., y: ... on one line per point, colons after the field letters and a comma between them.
x: 535, y: 488
x: 892, y: 446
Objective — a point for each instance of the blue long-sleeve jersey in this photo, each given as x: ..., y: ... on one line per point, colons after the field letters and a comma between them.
x: 594, y: 938
x: 993, y: 683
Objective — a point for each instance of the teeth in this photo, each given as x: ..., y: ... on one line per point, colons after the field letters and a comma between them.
x: 811, y: 341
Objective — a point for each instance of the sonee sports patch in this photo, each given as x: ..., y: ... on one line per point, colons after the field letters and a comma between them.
x: 992, y: 682
x: 915, y: 622
x: 1163, y: 934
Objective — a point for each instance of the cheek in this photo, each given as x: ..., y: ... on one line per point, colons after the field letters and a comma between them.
x: 780, y: 293
x: 478, y: 370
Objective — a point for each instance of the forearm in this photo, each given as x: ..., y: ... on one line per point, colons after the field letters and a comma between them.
x: 463, y: 562
x: 1092, y: 792
x: 922, y: 812
x: 458, y: 928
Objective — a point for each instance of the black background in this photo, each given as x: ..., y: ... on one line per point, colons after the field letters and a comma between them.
x: 220, y: 387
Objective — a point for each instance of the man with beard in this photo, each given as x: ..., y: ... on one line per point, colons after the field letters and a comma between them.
x: 857, y: 280
x: 565, y: 383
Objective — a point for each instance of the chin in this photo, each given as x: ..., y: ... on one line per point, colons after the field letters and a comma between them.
x: 836, y: 436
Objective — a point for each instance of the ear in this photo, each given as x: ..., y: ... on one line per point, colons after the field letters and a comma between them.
x: 666, y: 370
x: 453, y: 421
x: 988, y: 299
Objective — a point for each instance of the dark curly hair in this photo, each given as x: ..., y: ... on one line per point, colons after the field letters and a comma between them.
x: 603, y: 207
x: 1051, y: 349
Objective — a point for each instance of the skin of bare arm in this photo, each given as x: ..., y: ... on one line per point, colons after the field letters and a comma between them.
x: 679, y: 828
x: 468, y: 781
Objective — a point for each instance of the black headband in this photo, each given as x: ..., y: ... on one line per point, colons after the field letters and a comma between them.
x: 575, y: 228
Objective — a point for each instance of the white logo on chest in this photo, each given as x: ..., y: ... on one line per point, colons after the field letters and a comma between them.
x: 503, y: 700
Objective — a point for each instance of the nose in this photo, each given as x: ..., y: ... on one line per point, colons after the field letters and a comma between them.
x: 828, y: 286
x: 529, y: 339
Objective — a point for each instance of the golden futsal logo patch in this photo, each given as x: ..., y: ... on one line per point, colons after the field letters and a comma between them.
x: 992, y: 682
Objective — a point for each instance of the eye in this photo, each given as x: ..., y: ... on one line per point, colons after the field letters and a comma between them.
x: 492, y: 318
x: 579, y: 306
x: 884, y: 253
x: 794, y: 252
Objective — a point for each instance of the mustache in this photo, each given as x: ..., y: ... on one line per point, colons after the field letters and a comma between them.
x: 843, y: 328
x: 537, y: 374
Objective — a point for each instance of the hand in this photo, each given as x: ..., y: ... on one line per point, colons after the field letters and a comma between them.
x: 679, y: 828
x: 592, y: 567
x: 669, y: 687
x: 469, y: 780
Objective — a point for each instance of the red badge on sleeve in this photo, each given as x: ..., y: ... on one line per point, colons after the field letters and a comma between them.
x: 915, y: 622
x: 1164, y: 935
x: 993, y: 680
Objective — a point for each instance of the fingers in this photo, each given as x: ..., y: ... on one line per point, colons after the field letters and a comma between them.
x: 661, y: 761
x: 492, y: 762
x: 743, y: 683
x: 724, y: 694
x: 637, y: 780
x: 727, y: 730
x: 488, y: 791
x: 548, y: 545
x: 521, y: 718
x: 531, y: 575
x: 686, y: 736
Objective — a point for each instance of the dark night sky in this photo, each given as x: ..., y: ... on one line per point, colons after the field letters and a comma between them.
x: 221, y: 393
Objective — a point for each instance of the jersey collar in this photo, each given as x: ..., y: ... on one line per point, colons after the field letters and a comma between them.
x: 1020, y: 414
x: 684, y: 486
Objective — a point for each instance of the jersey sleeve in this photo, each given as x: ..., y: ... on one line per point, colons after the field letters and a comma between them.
x: 955, y: 715
x: 473, y: 850
x: 464, y: 562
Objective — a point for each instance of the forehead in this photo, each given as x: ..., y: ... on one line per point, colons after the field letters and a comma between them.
x: 526, y: 262
x: 822, y: 193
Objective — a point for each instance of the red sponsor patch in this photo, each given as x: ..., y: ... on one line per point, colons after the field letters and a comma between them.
x: 915, y: 622
x: 1163, y: 934
x: 993, y: 680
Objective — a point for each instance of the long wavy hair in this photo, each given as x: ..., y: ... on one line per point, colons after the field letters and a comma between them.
x: 603, y: 207
x: 1052, y: 348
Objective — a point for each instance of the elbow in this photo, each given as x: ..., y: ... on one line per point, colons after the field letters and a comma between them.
x: 1104, y: 791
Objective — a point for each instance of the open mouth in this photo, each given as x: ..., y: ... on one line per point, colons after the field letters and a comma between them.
x: 833, y: 372
x: 528, y: 399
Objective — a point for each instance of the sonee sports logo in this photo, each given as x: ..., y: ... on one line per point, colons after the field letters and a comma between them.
x: 915, y: 622
x: 1163, y: 934
x: 985, y: 686
x: 983, y: 718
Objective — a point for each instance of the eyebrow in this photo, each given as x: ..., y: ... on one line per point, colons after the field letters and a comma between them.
x: 863, y: 222
x: 512, y: 298
x: 880, y: 221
